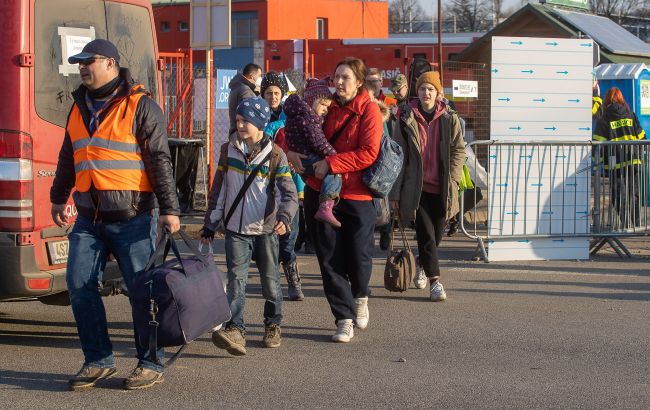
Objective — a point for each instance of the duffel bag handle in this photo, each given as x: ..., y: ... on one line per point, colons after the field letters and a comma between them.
x: 166, y: 242
x: 162, y: 249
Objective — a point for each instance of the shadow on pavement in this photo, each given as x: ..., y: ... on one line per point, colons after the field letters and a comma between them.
x: 641, y: 297
x: 51, y: 382
x: 640, y: 287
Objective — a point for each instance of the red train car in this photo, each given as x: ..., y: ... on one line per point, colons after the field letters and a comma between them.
x: 392, y: 55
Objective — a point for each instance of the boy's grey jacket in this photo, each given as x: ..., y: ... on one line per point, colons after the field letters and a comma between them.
x: 270, y: 198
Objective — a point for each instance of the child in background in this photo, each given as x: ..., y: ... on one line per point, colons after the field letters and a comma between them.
x: 304, y: 135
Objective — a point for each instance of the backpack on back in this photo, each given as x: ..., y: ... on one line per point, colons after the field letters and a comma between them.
x: 418, y: 67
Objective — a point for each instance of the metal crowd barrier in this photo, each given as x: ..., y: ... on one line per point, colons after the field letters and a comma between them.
x: 559, y: 190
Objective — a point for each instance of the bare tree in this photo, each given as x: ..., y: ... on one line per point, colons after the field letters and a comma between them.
x: 470, y: 15
x: 405, y: 16
x: 617, y: 9
x: 497, y: 12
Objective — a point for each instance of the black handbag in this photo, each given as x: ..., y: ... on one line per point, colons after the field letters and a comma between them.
x: 179, y: 300
x: 400, y: 264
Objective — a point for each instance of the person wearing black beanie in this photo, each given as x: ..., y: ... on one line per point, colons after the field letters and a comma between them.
x: 273, y: 89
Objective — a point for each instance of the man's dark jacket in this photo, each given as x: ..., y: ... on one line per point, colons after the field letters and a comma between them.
x: 240, y: 89
x: 151, y: 134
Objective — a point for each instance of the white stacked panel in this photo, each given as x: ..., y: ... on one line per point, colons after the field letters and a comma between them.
x: 541, y: 91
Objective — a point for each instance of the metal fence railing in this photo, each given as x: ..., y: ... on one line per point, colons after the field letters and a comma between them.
x: 556, y: 190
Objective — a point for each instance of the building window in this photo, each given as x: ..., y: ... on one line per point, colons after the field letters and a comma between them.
x: 321, y: 29
x: 164, y: 26
x: 244, y: 29
x: 183, y: 26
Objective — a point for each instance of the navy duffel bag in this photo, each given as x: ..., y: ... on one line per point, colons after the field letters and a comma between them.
x: 179, y: 300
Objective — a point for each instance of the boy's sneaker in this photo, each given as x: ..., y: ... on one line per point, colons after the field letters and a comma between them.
x: 231, y: 339
x: 438, y: 293
x: 142, y: 378
x: 272, y: 336
x: 293, y: 281
x: 88, y: 376
x: 344, y: 331
x: 420, y: 280
x: 363, y: 314
x: 325, y: 214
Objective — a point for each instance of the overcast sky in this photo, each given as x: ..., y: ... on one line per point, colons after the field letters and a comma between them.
x: 431, y: 6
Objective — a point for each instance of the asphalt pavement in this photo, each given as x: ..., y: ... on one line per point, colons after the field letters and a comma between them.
x: 562, y: 334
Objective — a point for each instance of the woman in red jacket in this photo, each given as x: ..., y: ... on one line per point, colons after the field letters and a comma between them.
x: 354, y: 128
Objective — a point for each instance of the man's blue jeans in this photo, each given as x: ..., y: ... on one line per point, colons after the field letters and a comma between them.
x: 132, y: 243
x: 239, y: 249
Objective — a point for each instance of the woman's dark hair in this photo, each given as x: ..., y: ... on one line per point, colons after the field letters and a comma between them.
x: 357, y: 66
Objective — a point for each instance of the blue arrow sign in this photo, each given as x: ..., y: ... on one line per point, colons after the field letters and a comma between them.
x: 577, y: 100
x: 558, y: 240
x: 583, y: 213
x: 518, y: 43
x: 562, y: 72
x: 539, y: 100
x: 524, y: 241
x: 586, y: 45
x: 518, y: 128
x: 550, y: 128
x: 504, y: 99
x: 537, y: 185
x: 512, y: 213
x: 494, y: 70
x: 552, y: 44
x: 547, y: 213
x: 527, y: 71
x: 493, y: 156
x: 584, y: 128
x: 502, y: 184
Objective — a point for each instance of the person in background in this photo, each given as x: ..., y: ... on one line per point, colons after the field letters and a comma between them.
x: 344, y: 253
x: 399, y: 87
x: 274, y: 89
x: 242, y: 86
x: 426, y: 191
x: 374, y: 81
x: 264, y: 212
x: 621, y: 163
x: 113, y: 121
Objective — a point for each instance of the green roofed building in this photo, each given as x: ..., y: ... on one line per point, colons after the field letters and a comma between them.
x: 617, y: 45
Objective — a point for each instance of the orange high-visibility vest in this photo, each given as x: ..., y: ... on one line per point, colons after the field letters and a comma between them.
x: 110, y: 158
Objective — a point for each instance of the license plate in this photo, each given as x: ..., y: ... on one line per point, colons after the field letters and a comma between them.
x: 58, y: 252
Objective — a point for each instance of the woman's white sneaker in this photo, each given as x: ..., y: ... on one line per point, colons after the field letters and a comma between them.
x: 363, y: 314
x: 344, y: 331
x: 438, y: 293
x: 420, y: 280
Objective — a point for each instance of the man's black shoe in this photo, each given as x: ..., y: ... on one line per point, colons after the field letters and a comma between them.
x: 88, y: 376
x: 384, y: 241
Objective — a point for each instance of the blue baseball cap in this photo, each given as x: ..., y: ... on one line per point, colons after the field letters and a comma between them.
x: 98, y: 46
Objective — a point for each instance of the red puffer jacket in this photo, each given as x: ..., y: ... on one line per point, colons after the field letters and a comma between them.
x: 358, y: 145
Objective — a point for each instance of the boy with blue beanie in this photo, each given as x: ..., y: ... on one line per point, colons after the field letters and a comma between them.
x: 253, y: 223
